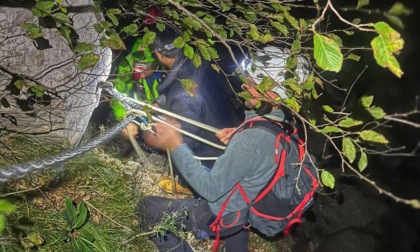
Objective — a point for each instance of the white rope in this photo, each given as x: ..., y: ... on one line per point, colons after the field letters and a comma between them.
x: 182, y: 118
x: 154, y: 118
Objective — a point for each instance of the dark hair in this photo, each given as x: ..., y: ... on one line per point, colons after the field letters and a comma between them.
x: 264, y: 108
x: 164, y: 42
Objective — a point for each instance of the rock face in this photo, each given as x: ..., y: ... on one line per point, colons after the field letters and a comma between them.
x: 68, y: 96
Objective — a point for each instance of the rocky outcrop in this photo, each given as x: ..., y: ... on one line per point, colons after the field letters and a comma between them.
x: 68, y: 96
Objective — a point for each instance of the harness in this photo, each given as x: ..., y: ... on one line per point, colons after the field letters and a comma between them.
x: 148, y: 86
x: 266, y: 204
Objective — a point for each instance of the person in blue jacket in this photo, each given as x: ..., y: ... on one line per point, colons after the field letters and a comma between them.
x: 193, y: 92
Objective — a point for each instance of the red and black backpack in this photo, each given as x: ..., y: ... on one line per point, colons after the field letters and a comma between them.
x: 287, y: 194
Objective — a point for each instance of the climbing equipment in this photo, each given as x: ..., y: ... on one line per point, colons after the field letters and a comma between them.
x: 276, y: 207
x: 133, y: 108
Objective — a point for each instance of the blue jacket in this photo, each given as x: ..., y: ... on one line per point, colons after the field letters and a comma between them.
x: 209, y: 104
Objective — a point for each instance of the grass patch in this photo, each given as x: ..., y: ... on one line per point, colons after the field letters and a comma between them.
x: 95, y: 178
x: 38, y: 222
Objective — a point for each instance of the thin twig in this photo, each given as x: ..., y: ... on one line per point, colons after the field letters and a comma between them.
x: 106, y: 216
x: 18, y: 192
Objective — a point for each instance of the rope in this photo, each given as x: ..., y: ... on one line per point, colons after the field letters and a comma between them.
x: 154, y: 118
x: 19, y: 171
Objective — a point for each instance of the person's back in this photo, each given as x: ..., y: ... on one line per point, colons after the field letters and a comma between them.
x: 206, y: 102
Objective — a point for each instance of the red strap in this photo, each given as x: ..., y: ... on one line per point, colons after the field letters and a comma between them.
x: 215, y: 226
x: 286, y: 230
x: 279, y: 173
x: 216, y: 242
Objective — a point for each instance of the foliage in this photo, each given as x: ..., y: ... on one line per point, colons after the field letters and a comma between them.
x: 170, y: 223
x: 76, y: 217
x: 6, y: 208
x: 38, y: 223
x: 322, y: 36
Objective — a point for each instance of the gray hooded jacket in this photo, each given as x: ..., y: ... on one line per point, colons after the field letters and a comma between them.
x: 248, y: 159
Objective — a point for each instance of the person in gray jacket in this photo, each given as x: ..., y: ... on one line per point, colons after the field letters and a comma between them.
x: 247, y: 159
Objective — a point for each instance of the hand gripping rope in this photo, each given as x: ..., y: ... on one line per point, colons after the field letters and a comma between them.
x: 133, y: 108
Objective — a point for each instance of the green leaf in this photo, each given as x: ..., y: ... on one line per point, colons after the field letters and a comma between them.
x: 213, y: 52
x: 196, y: 60
x: 224, y: 6
x: 291, y: 62
x: 308, y: 84
x: 65, y: 31
x: 42, y: 8
x: 245, y: 95
x: 363, y: 161
x: 399, y: 9
x: 82, y: 213
x: 37, y: 90
x: 336, y: 38
x: 6, y: 207
x: 88, y: 60
x: 280, y: 27
x: 267, y: 84
x: 327, y: 108
x: 376, y: 112
x: 366, y: 101
x: 187, y: 35
x: 292, y: 103
x: 2, y: 223
x: 160, y: 26
x: 36, y: 238
x: 349, y: 122
x: 98, y: 28
x: 385, y: 46
x: 362, y: 3
x: 293, y: 85
x: 61, y: 18
x: 113, y: 42
x: 221, y: 31
x: 107, y: 25
x: 327, y: 179
x: 373, y: 136
x: 148, y: 38
x: 192, y: 23
x: 179, y: 42
x: 209, y: 19
x: 205, y: 52
x: 354, y: 57
x: 254, y: 32
x: 115, y: 11
x: 215, y: 67
x: 19, y: 84
x: 296, y: 47
x: 113, y: 18
x: 349, y: 33
x: 395, y: 20
x: 415, y: 203
x: 356, y: 21
x: 84, y: 47
x: 70, y: 212
x: 189, y: 85
x: 33, y: 31
x: 266, y: 38
x: 292, y: 20
x: 330, y: 129
x: 349, y: 150
x: 131, y: 29
x: 327, y: 53
x: 188, y: 51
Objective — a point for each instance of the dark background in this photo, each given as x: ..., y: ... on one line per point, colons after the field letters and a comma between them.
x: 355, y: 216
